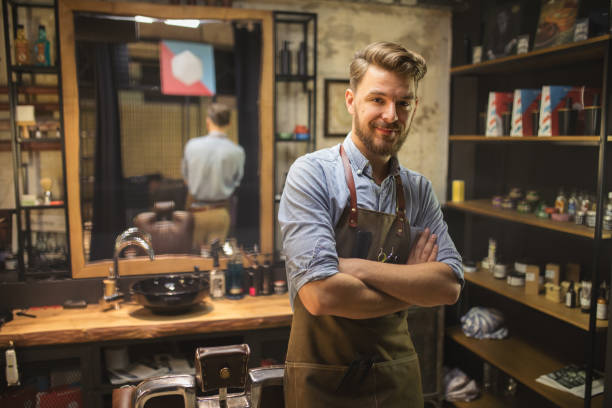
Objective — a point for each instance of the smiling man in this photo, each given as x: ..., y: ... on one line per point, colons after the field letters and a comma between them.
x: 364, y: 239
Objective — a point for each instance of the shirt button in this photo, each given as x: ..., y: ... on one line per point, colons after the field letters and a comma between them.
x: 359, y: 172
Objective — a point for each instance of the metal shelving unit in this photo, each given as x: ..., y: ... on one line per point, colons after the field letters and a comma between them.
x: 16, y: 87
x: 285, y: 24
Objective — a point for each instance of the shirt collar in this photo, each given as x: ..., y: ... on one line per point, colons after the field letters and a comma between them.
x: 360, y: 163
x: 216, y: 133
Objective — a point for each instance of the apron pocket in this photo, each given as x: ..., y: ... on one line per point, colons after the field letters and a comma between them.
x: 316, y: 385
x: 398, y: 383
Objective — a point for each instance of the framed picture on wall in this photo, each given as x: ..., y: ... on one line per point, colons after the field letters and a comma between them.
x: 502, y: 27
x: 556, y: 24
x: 337, y: 120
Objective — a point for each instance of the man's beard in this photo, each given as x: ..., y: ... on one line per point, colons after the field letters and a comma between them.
x: 367, y: 137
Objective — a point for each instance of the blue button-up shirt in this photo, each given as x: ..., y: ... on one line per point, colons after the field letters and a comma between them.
x: 212, y: 166
x: 315, y: 195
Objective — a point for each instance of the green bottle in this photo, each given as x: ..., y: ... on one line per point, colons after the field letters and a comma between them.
x: 41, y: 48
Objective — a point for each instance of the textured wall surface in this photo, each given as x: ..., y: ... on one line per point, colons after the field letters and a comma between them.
x: 345, y: 27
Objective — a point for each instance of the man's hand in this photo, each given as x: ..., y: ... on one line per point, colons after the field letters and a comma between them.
x: 425, y: 249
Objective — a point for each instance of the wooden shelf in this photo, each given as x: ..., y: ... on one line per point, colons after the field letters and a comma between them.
x: 34, y: 69
x: 293, y: 78
x: 557, y: 310
x: 42, y: 207
x: 568, y: 140
x: 486, y: 400
x: 553, y: 57
x: 34, y: 144
x: 32, y: 90
x: 525, y: 363
x: 292, y: 141
x: 484, y: 207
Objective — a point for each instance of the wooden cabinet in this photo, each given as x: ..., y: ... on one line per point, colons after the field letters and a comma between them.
x: 544, y: 336
x: 60, y: 341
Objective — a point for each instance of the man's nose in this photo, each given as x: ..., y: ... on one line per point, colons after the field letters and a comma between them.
x: 390, y: 113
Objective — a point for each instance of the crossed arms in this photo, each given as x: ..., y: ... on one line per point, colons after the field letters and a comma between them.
x: 365, y: 289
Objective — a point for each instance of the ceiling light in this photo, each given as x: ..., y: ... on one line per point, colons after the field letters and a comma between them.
x: 144, y: 19
x: 183, y: 23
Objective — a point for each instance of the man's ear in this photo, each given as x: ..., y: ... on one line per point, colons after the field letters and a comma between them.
x: 349, y: 98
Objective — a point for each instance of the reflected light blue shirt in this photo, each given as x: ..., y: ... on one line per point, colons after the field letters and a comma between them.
x: 315, y: 195
x: 212, y: 166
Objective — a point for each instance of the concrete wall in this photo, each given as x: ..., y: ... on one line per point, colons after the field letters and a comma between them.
x: 344, y: 27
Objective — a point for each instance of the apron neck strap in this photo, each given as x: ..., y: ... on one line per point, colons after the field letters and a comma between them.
x: 399, y: 191
x: 350, y: 182
x: 400, y: 202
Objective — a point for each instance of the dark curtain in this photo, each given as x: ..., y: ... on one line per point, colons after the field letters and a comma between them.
x: 108, y: 204
x: 247, y: 57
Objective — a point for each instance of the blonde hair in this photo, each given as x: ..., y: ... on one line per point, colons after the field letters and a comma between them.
x: 389, y: 56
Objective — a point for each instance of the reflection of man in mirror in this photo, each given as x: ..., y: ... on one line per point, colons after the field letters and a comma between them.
x: 213, y: 167
x: 364, y: 239
x: 502, y: 35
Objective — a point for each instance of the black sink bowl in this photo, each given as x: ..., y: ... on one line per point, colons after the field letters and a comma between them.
x: 171, y: 294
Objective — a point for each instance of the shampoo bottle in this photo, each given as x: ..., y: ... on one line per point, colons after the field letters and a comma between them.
x: 217, y: 276
x: 42, y: 48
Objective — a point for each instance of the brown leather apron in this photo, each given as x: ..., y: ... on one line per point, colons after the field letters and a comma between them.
x: 339, y: 362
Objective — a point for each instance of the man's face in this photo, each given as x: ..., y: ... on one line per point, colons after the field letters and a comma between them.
x: 382, y: 107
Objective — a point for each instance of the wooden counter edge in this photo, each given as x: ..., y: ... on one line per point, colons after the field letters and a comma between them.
x: 135, y: 332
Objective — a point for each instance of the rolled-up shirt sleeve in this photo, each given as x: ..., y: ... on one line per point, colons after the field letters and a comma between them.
x: 306, y: 228
x: 430, y: 216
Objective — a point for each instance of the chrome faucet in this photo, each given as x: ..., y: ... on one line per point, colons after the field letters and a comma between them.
x: 131, y: 236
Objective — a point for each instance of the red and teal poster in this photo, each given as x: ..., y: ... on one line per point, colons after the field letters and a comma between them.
x: 187, y: 68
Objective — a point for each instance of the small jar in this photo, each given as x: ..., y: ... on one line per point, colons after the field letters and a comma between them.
x: 580, y: 216
x: 507, y: 203
x: 496, y: 201
x: 469, y: 267
x: 520, y: 266
x: 280, y: 287
x: 607, y: 222
x: 523, y: 206
x: 515, y: 193
x: 590, y: 218
x: 515, y: 278
x: 532, y: 196
x: 500, y: 271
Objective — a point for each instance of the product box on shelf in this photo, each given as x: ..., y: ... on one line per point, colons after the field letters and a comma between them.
x: 499, y: 112
x: 534, y: 282
x: 525, y: 110
x: 552, y: 273
x: 562, y: 109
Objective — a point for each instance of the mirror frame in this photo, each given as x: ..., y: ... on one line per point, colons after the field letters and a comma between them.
x: 162, y: 263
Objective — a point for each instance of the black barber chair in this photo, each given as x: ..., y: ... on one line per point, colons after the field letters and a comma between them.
x: 218, y: 370
x: 171, y: 231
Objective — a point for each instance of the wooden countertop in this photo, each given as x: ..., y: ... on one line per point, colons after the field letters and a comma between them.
x: 132, y: 321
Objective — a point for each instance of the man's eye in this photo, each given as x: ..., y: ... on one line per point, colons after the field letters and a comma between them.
x: 405, y: 104
x: 377, y: 100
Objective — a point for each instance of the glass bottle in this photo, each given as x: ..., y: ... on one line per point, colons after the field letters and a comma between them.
x: 572, y: 205
x: 302, y: 59
x: 22, y: 53
x: 285, y: 59
x: 561, y: 203
x: 602, y: 305
x: 235, y: 271
x: 42, y: 48
x: 570, y: 296
x: 492, y: 254
x: 217, y: 276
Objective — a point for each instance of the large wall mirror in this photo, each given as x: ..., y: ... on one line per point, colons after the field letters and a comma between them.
x: 127, y: 121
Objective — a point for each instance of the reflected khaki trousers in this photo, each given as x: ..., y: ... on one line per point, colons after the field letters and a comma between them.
x: 210, y: 225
